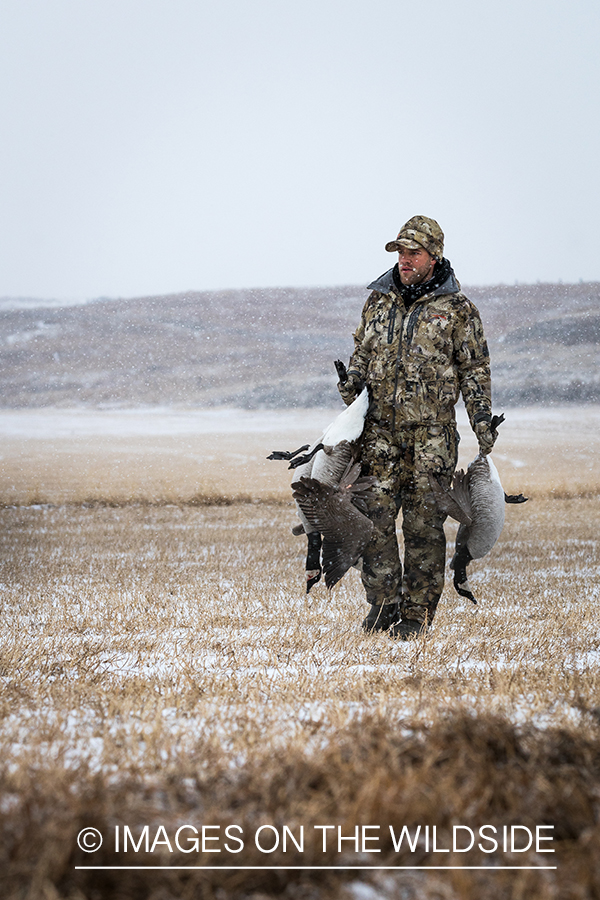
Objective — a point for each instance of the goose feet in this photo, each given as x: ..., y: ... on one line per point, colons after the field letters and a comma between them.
x: 287, y: 454
x: 302, y: 460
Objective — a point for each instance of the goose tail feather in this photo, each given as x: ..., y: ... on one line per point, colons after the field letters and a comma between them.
x: 454, y: 501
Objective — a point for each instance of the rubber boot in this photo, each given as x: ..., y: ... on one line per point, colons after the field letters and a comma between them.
x: 408, y: 629
x: 381, y: 618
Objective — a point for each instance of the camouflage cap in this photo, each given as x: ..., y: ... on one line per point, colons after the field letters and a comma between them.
x: 420, y: 233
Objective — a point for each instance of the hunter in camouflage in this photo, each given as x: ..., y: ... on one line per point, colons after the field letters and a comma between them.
x: 419, y: 346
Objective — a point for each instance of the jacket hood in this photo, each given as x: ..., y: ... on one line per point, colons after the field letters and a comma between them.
x: 385, y: 284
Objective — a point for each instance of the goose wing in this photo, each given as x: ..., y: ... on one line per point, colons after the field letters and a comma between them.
x: 357, y: 486
x: 346, y: 531
x: 454, y: 501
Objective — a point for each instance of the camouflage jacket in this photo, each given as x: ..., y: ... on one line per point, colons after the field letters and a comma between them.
x: 417, y: 362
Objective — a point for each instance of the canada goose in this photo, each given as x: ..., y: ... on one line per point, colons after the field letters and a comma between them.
x: 330, y: 493
x: 476, y: 500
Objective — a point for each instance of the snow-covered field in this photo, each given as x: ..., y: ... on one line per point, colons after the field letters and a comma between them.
x: 159, y: 654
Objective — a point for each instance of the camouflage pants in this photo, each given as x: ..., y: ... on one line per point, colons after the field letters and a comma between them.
x: 401, y: 463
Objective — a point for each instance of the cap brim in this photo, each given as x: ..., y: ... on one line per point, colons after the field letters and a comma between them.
x: 393, y: 246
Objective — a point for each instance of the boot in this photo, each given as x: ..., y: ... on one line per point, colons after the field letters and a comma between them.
x: 381, y: 618
x: 408, y: 629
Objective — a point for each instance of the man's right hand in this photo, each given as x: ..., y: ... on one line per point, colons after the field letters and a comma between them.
x: 350, y: 384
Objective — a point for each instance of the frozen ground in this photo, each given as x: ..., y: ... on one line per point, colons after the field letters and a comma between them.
x: 200, y: 614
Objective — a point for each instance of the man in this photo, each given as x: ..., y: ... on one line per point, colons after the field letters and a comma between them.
x: 419, y: 345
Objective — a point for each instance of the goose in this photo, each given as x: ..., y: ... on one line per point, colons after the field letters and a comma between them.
x: 330, y: 495
x: 476, y: 500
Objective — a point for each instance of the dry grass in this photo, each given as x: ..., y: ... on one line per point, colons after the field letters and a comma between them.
x: 53, y: 456
x: 161, y: 665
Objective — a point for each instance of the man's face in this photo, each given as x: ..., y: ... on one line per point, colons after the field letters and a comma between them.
x: 415, y: 266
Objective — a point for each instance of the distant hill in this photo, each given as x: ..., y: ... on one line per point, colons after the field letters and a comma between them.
x: 273, y: 347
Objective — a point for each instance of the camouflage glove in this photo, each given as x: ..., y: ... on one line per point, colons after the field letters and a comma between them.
x: 486, y: 435
x: 350, y: 383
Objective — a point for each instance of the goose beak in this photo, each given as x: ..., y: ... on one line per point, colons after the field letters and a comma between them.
x: 464, y: 589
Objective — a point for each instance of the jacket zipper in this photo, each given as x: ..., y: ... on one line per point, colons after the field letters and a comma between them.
x: 410, y: 321
x: 391, y: 323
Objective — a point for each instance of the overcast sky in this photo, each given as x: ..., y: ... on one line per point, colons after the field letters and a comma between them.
x: 153, y: 146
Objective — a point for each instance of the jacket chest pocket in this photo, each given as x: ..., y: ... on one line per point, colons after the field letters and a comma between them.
x: 435, y: 335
